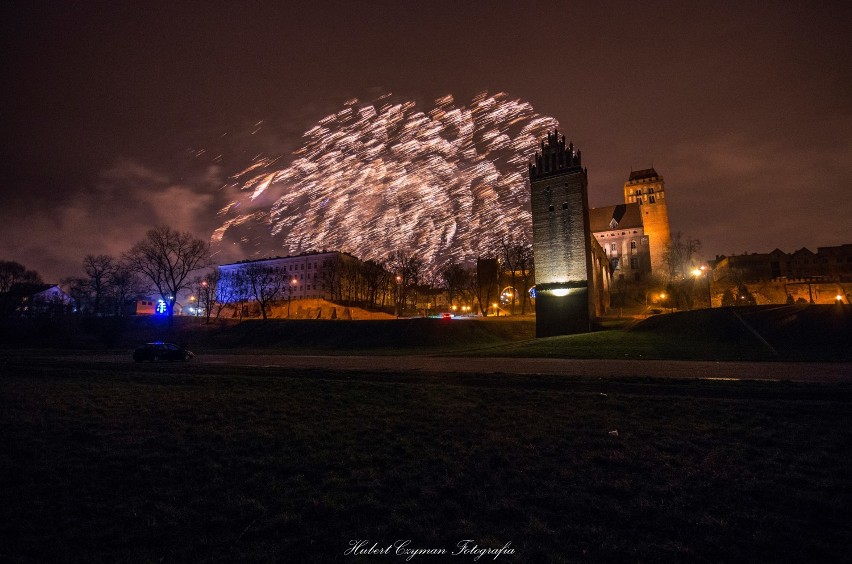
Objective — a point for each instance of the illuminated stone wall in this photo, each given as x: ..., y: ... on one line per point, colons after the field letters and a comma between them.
x: 648, y: 189
x: 561, y: 240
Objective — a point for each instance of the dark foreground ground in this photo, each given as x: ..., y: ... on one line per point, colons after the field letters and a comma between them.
x: 202, y: 462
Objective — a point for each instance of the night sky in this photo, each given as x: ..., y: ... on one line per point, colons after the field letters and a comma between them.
x: 746, y: 111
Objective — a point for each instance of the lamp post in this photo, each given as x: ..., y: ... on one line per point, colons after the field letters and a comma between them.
x: 699, y: 273
x: 293, y: 283
x: 398, y: 295
x: 205, y: 295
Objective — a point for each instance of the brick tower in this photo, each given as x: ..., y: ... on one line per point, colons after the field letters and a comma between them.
x: 561, y: 239
x: 648, y: 189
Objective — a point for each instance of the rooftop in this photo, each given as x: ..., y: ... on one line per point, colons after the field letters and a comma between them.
x: 626, y: 215
x: 642, y: 174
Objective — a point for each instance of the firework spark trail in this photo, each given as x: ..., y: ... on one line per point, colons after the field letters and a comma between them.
x: 378, y: 177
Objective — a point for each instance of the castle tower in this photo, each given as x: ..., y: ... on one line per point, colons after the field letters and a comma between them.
x: 561, y: 239
x: 648, y: 189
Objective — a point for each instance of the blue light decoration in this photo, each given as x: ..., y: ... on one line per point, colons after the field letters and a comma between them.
x: 532, y: 292
x: 161, y: 307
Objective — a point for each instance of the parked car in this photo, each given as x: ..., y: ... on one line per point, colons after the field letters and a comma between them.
x: 161, y: 351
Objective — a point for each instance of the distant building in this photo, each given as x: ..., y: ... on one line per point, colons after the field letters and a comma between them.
x: 829, y: 264
x: 35, y: 300
x: 305, y: 276
x: 147, y: 306
x: 634, y: 235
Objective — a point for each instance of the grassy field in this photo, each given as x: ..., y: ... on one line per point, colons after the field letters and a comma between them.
x: 762, y: 333
x: 185, y: 462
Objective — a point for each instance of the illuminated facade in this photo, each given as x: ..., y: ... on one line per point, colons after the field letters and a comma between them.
x: 571, y: 272
x: 305, y: 276
x: 635, y: 234
x: 620, y: 232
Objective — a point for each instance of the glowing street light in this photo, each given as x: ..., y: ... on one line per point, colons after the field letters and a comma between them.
x: 294, y: 282
x: 398, y: 295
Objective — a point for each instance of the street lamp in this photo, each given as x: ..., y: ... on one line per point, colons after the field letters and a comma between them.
x: 293, y: 283
x: 398, y: 295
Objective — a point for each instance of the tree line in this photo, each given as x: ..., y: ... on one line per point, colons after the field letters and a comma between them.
x: 166, y: 263
x: 162, y: 262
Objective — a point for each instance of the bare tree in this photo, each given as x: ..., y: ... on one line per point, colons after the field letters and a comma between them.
x: 509, y: 258
x: 225, y: 293
x: 98, y: 269
x: 484, y: 285
x: 526, y: 269
x: 125, y: 285
x: 455, y: 280
x: 679, y: 256
x: 265, y: 283
x: 167, y: 257
x: 206, y: 288
x: 332, y: 276
x: 12, y: 272
x: 240, y: 292
x: 373, y: 275
x: 408, y: 269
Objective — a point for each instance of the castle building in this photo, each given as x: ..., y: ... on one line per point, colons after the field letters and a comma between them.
x: 571, y: 268
x: 635, y: 234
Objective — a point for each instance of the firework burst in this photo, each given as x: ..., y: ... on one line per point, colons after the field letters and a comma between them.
x: 446, y: 184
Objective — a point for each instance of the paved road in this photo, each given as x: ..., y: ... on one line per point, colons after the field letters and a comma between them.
x: 803, y: 372
x: 792, y: 371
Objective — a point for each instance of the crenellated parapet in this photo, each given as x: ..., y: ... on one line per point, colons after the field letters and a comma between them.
x: 555, y: 157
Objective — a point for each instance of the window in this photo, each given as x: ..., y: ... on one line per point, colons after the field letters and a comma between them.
x: 652, y: 198
x: 634, y: 263
x: 633, y: 245
x: 564, y: 205
x: 651, y: 190
x: 613, y: 247
x: 550, y: 208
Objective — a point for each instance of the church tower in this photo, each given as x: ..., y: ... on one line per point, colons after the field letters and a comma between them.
x: 648, y: 189
x: 561, y: 239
